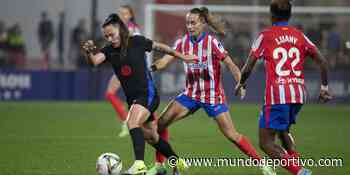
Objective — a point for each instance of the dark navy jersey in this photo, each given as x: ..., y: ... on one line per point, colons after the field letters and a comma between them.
x: 131, y: 68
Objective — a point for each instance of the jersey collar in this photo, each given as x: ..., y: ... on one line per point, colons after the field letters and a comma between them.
x: 280, y: 23
x: 201, y: 36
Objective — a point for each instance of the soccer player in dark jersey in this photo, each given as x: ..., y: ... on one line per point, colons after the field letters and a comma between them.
x: 128, y: 17
x: 283, y: 49
x: 127, y: 56
x: 203, y: 80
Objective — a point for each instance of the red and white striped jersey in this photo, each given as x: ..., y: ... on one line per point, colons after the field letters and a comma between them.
x: 284, y: 50
x: 133, y: 28
x: 203, y: 78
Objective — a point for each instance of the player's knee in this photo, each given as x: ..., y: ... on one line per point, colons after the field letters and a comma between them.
x: 133, y: 124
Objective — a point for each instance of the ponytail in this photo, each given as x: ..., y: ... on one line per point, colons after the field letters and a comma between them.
x: 213, y: 21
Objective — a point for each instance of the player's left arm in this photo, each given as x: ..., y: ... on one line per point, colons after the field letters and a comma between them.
x: 168, y: 50
x: 319, y: 59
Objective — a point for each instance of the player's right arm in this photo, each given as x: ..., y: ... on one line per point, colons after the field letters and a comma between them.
x: 92, y: 54
x: 255, y: 53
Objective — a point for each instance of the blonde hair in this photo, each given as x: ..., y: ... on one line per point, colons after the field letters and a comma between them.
x: 213, y: 21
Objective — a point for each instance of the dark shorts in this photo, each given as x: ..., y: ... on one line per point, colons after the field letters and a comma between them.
x: 279, y: 117
x: 150, y: 103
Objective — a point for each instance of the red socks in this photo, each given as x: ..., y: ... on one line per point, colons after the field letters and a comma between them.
x: 293, y: 153
x: 293, y: 168
x: 117, y: 105
x: 247, y: 148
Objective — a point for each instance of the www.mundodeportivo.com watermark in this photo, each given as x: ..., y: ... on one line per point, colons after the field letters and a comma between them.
x: 249, y: 162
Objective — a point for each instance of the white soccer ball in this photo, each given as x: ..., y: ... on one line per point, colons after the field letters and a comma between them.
x: 108, y: 164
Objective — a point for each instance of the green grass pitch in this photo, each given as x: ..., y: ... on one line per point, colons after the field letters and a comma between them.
x: 65, y: 138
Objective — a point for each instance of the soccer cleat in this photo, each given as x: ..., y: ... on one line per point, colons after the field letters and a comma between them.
x: 124, y: 130
x: 157, y: 169
x: 181, y: 166
x: 138, y: 168
x: 304, y: 171
x: 266, y: 170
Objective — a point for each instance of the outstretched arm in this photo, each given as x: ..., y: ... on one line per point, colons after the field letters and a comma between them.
x: 92, y: 54
x: 162, y: 63
x: 168, y: 50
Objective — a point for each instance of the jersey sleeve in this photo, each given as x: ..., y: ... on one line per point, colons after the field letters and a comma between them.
x: 148, y: 44
x: 218, y: 50
x: 106, y: 50
x: 143, y: 42
x: 177, y: 45
x: 310, y: 47
x: 257, y: 48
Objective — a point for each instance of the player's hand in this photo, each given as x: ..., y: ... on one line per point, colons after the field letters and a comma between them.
x: 324, y: 96
x: 158, y: 65
x: 240, y: 90
x: 88, y: 47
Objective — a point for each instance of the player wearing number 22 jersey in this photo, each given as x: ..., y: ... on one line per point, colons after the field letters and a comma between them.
x: 284, y: 50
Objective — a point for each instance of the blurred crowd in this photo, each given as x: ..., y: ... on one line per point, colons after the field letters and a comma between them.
x: 333, y: 43
x: 13, y: 48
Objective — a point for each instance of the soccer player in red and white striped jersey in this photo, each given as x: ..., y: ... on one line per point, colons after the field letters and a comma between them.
x: 203, y: 80
x: 283, y: 49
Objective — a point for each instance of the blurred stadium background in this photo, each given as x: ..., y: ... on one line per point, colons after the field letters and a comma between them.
x: 53, y: 117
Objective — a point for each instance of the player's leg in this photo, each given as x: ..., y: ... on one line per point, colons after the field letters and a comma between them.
x: 159, y: 167
x: 228, y: 129
x: 288, y: 143
x: 176, y: 110
x: 137, y: 115
x: 112, y: 88
x: 223, y: 119
x: 275, y: 119
x: 179, y: 108
x: 152, y: 137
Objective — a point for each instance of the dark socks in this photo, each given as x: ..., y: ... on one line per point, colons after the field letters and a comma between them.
x: 138, y: 143
x: 164, y: 147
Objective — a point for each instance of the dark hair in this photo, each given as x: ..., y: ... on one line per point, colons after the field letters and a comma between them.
x: 211, y: 20
x: 114, y: 19
x: 131, y: 11
x: 281, y: 9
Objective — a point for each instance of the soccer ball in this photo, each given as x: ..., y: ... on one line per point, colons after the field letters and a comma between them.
x: 108, y: 164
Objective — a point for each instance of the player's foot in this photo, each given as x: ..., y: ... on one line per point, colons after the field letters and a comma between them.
x: 124, y: 130
x: 138, y: 168
x: 157, y: 169
x: 304, y: 171
x: 267, y: 170
x: 181, y: 166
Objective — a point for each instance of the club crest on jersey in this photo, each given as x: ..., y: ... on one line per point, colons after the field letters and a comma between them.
x: 126, y: 70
